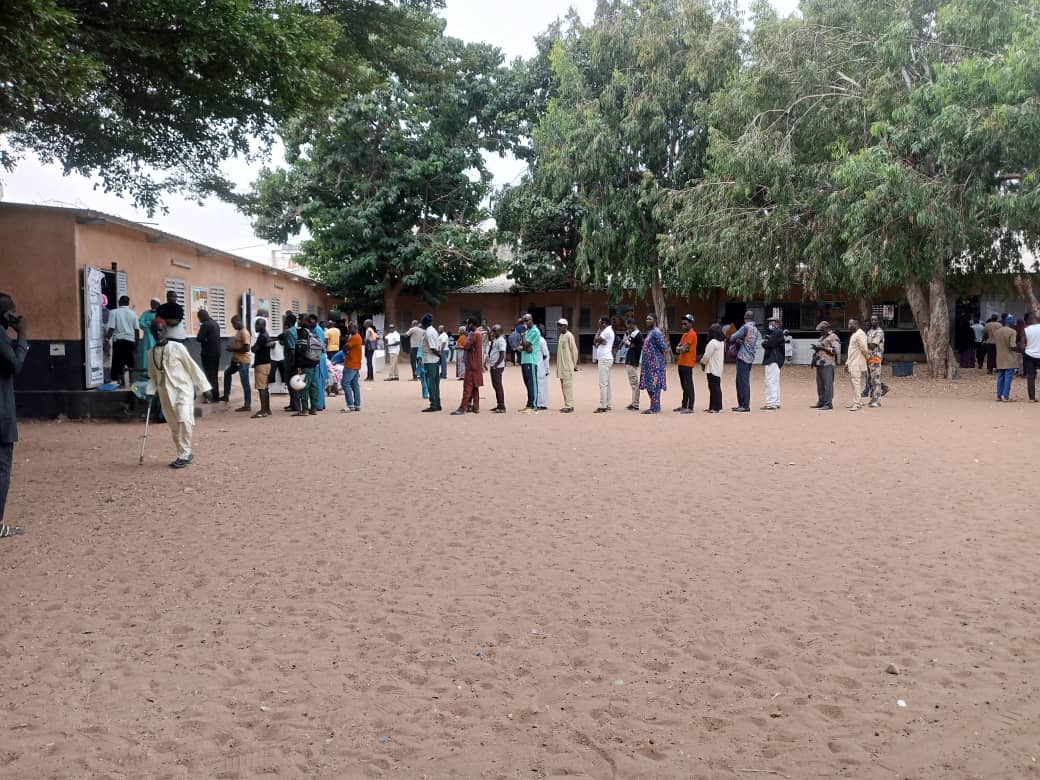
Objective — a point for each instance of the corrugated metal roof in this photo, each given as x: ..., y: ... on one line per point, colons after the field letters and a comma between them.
x: 498, y: 284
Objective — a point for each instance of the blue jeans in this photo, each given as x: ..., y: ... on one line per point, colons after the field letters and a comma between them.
x: 242, y: 369
x: 433, y: 382
x: 444, y: 365
x: 1004, y: 377
x: 352, y: 387
x: 531, y: 383
x: 743, y: 384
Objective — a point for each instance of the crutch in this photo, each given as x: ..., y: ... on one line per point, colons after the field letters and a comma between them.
x: 144, y: 436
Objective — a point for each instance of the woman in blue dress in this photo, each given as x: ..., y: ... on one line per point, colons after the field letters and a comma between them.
x: 652, y: 374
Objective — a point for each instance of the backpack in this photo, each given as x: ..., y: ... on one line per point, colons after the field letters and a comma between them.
x: 309, y: 350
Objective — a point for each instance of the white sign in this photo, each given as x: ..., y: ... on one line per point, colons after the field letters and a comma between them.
x: 57, y: 350
x: 93, y: 328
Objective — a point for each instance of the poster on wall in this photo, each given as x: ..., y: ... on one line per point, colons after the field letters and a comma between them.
x: 93, y: 328
x: 199, y: 300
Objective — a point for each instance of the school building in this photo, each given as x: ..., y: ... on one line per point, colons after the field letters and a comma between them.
x: 57, y: 263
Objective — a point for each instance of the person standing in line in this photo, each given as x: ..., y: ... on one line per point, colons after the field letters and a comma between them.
x: 305, y: 362
x: 445, y: 343
x: 713, y: 361
x: 332, y: 338
x: 12, y: 358
x: 321, y: 369
x: 122, y: 329
x: 856, y: 363
x: 773, y: 361
x: 473, y: 376
x: 172, y: 313
x: 747, y: 337
x: 147, y: 342
x: 239, y: 349
x: 392, y: 339
x: 353, y: 350
x: 544, y: 357
x: 603, y: 354
x: 497, y: 363
x: 653, y: 375
x: 827, y: 352
x: 262, y: 367
x: 530, y: 354
x: 687, y: 359
x: 1005, y: 341
x: 633, y: 343
x: 978, y: 333
x: 431, y: 347
x: 288, y: 341
x: 989, y: 332
x: 515, y: 337
x: 209, y: 349
x: 174, y: 377
x: 1031, y: 355
x: 415, y: 337
x: 876, y: 344
x: 371, y: 342
x: 566, y: 362
x: 460, y: 354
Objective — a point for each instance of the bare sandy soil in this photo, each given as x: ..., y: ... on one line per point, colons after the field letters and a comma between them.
x: 509, y: 596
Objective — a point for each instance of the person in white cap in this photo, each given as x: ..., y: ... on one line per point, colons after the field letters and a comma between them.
x: 566, y: 361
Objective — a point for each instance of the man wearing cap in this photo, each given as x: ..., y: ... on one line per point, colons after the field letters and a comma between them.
x: 431, y: 358
x: 496, y: 361
x: 634, y: 349
x: 747, y: 337
x: 603, y: 354
x: 392, y: 339
x: 687, y: 360
x: 856, y: 363
x: 1005, y: 342
x: 566, y: 360
x: 773, y: 361
x: 826, y: 352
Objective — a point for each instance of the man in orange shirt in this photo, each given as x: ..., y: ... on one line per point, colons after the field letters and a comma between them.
x: 353, y: 353
x: 687, y: 360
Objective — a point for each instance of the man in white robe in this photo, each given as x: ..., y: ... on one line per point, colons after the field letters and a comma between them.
x: 174, y: 377
x: 543, y: 374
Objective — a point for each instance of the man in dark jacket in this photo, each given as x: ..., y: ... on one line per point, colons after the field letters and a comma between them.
x: 773, y: 361
x: 209, y: 342
x: 12, y: 357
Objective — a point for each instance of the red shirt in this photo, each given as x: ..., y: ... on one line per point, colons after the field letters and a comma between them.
x: 353, y: 352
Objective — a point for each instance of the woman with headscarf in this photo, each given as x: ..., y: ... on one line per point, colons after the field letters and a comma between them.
x: 460, y: 354
x: 712, y: 362
x: 652, y: 374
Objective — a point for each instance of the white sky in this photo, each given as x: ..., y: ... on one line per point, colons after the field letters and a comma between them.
x: 509, y: 24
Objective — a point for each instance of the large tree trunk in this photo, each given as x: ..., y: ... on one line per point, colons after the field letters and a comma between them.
x: 390, y: 293
x: 864, y: 309
x: 660, y: 309
x: 1024, y: 285
x: 932, y: 317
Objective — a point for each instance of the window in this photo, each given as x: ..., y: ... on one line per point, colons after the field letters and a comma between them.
x: 295, y: 307
x: 585, y: 318
x: 178, y: 286
x: 310, y: 308
x: 275, y: 325
x: 465, y: 314
x: 218, y: 308
x: 121, y: 285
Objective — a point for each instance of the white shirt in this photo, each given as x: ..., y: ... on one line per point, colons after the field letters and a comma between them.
x: 443, y: 337
x: 604, y: 351
x: 393, y: 342
x: 497, y: 355
x: 123, y: 322
x: 976, y: 328
x: 713, y: 357
x: 544, y: 355
x: 1033, y: 341
x: 431, y: 345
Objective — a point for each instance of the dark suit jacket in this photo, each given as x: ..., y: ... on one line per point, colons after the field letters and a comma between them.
x: 209, y: 338
x: 12, y: 356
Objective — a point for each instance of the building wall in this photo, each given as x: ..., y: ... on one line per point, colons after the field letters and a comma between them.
x: 37, y: 251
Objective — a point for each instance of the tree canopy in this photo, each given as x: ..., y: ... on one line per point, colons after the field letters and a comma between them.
x: 150, y: 95
x: 391, y: 187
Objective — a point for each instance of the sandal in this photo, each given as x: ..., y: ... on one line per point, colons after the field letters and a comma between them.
x: 10, y: 530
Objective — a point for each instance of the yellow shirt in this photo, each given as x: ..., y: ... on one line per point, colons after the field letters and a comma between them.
x: 241, y: 340
x: 332, y: 339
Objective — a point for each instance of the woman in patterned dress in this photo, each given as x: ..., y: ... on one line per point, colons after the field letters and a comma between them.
x: 652, y: 375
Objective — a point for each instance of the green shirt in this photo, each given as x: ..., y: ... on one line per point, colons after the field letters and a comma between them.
x: 533, y: 337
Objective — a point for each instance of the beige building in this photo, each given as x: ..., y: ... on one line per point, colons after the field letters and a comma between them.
x: 48, y: 254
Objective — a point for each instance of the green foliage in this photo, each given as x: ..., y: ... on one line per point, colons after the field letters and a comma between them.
x: 390, y: 187
x: 124, y: 88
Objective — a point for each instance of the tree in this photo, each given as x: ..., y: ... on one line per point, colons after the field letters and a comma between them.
x: 127, y: 88
x: 390, y: 188
x: 623, y: 128
x: 868, y: 145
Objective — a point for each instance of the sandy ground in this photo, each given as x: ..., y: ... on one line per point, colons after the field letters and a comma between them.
x: 508, y: 596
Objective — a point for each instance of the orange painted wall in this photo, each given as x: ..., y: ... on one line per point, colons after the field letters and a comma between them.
x: 37, y: 251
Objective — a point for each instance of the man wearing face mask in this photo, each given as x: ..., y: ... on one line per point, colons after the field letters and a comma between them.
x: 773, y: 361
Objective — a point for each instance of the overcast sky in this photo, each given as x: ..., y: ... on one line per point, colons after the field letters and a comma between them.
x: 509, y: 25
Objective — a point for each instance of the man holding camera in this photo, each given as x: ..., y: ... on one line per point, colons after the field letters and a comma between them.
x: 12, y: 358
